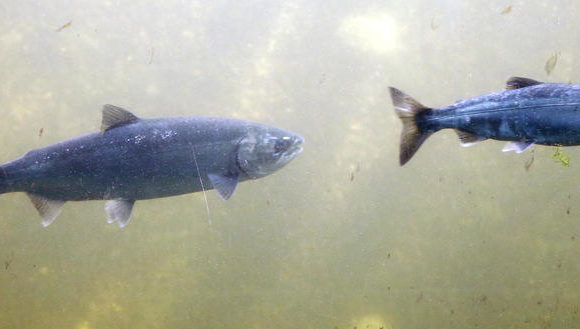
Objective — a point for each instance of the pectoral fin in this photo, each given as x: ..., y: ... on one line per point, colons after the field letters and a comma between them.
x: 225, y: 185
x: 119, y: 211
x: 517, y: 147
x: 48, y: 209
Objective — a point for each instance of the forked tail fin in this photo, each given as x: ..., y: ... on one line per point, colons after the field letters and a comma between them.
x: 411, y: 137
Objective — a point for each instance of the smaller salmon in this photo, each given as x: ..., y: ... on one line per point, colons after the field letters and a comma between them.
x: 529, y: 112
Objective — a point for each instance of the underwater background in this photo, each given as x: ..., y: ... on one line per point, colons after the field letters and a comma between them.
x: 342, y: 237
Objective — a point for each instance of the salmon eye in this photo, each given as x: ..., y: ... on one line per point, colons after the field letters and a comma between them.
x: 282, y: 145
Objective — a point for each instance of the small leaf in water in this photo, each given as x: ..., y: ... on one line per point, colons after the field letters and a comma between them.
x: 551, y: 63
x: 530, y: 161
x: 433, y: 25
x: 507, y: 10
x: 561, y: 157
x: 64, y: 26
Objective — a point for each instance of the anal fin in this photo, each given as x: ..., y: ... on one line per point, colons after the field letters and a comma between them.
x: 119, y: 211
x: 517, y: 147
x: 47, y: 209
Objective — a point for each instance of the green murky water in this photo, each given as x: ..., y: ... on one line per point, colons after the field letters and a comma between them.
x: 340, y: 238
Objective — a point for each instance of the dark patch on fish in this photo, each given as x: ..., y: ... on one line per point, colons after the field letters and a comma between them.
x: 136, y: 159
x: 529, y: 112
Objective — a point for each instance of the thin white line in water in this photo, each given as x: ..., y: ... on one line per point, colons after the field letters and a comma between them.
x: 202, y: 187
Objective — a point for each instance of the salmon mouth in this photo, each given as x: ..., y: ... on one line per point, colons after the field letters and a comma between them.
x: 296, y: 147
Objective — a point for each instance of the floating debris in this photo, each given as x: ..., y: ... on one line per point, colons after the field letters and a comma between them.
x: 419, y: 298
x: 322, y: 79
x: 507, y: 10
x: 433, y: 25
x: 530, y: 161
x: 40, y: 132
x: 561, y: 157
x: 8, y: 262
x: 352, y: 172
x: 64, y: 26
x: 551, y: 63
x: 151, y: 55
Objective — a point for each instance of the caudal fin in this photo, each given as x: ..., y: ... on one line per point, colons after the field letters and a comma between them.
x: 411, y: 137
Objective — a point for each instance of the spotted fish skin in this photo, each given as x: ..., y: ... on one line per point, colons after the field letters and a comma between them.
x: 136, y: 159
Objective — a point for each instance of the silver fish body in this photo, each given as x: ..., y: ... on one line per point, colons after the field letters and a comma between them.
x: 136, y: 159
x: 528, y: 112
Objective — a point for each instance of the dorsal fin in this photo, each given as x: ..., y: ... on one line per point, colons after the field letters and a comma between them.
x: 517, y: 147
x: 519, y: 82
x: 114, y: 116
